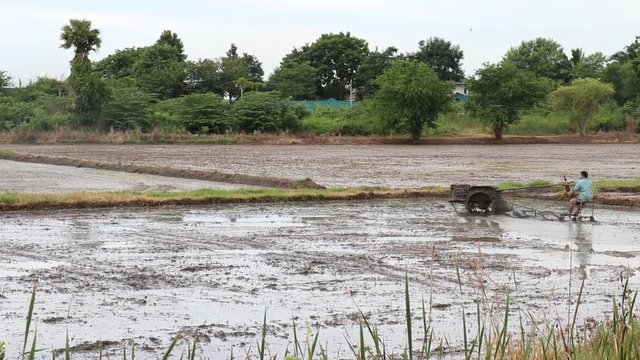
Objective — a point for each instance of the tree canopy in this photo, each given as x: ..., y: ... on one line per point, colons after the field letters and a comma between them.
x: 79, y: 35
x: 374, y: 64
x: 587, y: 66
x: 500, y: 92
x: 444, y: 57
x: 581, y: 100
x: 544, y: 57
x: 294, y: 79
x: 337, y: 58
x: 411, y: 96
x: 5, y: 79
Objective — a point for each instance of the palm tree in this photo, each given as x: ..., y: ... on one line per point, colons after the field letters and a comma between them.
x: 80, y: 35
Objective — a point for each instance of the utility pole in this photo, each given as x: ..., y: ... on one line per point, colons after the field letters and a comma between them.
x: 350, y: 92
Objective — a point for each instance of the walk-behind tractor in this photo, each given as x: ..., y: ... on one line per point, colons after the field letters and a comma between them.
x: 487, y: 200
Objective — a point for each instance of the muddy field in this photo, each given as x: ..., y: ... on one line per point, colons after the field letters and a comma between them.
x: 148, y: 275
x: 28, y: 177
x: 385, y: 165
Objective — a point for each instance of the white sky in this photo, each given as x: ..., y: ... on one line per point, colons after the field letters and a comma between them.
x: 269, y: 29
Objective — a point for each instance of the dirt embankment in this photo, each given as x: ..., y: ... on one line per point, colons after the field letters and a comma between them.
x: 608, y: 138
x: 167, y: 171
x: 158, y: 137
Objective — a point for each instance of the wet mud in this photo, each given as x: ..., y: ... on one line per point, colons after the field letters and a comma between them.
x: 216, y: 176
x: 40, y: 178
x: 125, y: 275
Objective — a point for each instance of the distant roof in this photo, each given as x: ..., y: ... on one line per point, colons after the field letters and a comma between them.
x: 460, y: 97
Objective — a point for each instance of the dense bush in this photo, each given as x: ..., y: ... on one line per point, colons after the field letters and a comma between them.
x: 196, y: 113
x: 609, y: 118
x: 539, y: 122
x: 42, y: 87
x: 128, y: 109
x: 266, y: 112
x: 43, y: 121
x: 14, y: 113
x: 354, y: 121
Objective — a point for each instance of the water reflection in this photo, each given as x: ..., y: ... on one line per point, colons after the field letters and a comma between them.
x: 581, y: 235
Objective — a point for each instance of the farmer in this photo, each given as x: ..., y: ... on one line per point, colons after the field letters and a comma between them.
x: 583, y: 193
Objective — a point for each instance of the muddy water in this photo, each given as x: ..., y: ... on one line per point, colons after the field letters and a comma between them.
x: 378, y: 165
x: 148, y: 275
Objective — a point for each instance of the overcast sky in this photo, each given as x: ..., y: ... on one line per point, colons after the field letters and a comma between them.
x: 269, y: 29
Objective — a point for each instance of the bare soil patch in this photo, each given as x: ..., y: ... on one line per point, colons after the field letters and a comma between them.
x: 42, y: 178
x: 166, y: 171
x: 397, y: 166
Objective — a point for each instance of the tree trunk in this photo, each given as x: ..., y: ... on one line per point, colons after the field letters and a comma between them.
x: 415, y: 129
x: 497, y: 131
x: 582, y: 127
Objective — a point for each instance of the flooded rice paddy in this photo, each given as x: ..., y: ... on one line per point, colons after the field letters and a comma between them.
x: 148, y: 275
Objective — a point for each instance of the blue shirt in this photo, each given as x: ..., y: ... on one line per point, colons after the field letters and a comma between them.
x: 584, y: 188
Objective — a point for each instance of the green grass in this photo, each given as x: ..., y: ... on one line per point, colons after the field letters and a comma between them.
x: 13, y: 201
x: 538, y: 123
x: 7, y: 153
x: 8, y: 198
x: 456, y: 123
x: 515, y: 184
x: 616, y: 184
x: 631, y: 184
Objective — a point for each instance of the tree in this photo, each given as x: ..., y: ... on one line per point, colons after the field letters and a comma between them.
x: 161, y: 68
x: 630, y: 52
x: 337, y: 58
x: 245, y: 84
x: 255, y: 67
x: 5, y: 80
x: 625, y: 80
x: 294, y: 79
x: 543, y: 57
x: 159, y: 71
x: 79, y: 35
x: 591, y: 66
x: 443, y: 57
x: 119, y: 64
x: 623, y: 72
x: 411, y: 96
x: 89, y: 91
x: 171, y: 39
x: 500, y: 92
x: 374, y: 64
x: 204, y: 76
x: 234, y: 67
x: 581, y: 100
